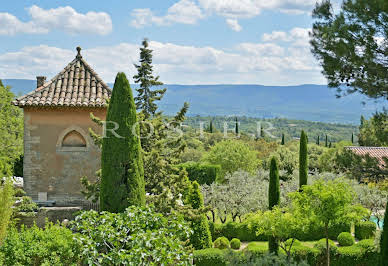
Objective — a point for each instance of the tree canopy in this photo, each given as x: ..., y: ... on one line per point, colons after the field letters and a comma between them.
x: 352, y: 46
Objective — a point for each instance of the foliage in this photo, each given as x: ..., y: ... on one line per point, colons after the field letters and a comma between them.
x: 145, y: 95
x: 232, y: 156
x: 345, y: 239
x: 11, y: 131
x: 26, y: 207
x: 235, y: 243
x: 53, y: 245
x: 6, y: 202
x: 17, y: 169
x: 287, y: 161
x: 138, y: 236
x: 384, y: 239
x: 327, y: 203
x: 327, y: 161
x: 222, y: 243
x: 303, y: 160
x: 351, y: 46
x: 273, y: 189
x: 201, y: 237
x: 210, y: 257
x: 201, y: 172
x: 374, y: 132
x: 122, y: 175
x: 241, y: 193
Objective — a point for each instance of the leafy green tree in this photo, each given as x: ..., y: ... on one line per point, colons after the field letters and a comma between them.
x: 374, y: 132
x: 201, y: 237
x: 11, y: 131
x: 122, y: 182
x: 287, y: 161
x: 327, y: 203
x: 145, y: 100
x: 303, y: 160
x: 232, y: 155
x: 384, y: 240
x: 138, y: 236
x: 273, y: 200
x: 6, y: 203
x: 351, y: 46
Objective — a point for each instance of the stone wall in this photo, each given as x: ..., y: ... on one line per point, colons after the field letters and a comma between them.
x: 52, y: 214
x: 50, y: 167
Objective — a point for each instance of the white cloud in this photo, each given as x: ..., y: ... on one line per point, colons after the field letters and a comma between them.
x: 62, y: 18
x: 298, y: 36
x: 260, y: 63
x: 184, y: 11
x: 231, y: 8
x: 233, y: 24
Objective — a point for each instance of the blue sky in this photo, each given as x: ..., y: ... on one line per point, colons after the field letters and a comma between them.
x: 194, y: 41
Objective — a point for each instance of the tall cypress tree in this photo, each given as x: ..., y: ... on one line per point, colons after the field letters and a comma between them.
x: 211, y: 126
x: 145, y: 95
x: 273, y: 199
x: 326, y: 143
x: 201, y: 237
x: 330, y: 145
x: 261, y: 132
x: 384, y: 240
x: 352, y: 138
x: 283, y: 141
x: 303, y: 160
x: 122, y: 174
x: 237, y: 129
x: 318, y: 140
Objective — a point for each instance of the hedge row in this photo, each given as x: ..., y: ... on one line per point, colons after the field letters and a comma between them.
x: 365, y: 230
x: 247, y: 232
x: 364, y: 253
x: 201, y: 172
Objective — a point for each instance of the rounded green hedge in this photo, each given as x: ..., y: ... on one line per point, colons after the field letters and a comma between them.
x: 294, y: 244
x: 345, y: 239
x: 222, y: 243
x: 235, y: 243
x: 365, y: 230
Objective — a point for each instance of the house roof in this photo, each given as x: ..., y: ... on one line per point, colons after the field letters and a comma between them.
x: 376, y: 152
x: 77, y: 85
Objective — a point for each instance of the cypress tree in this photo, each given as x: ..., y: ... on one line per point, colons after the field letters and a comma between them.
x: 273, y: 199
x: 261, y: 132
x: 326, y: 143
x: 211, y: 126
x: 330, y: 145
x: 146, y: 97
x: 384, y: 240
x: 352, y: 138
x: 237, y: 130
x: 303, y: 160
x: 283, y: 142
x: 201, y: 237
x: 318, y: 141
x: 122, y: 174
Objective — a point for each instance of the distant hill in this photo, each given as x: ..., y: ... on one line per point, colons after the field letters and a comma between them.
x: 304, y: 102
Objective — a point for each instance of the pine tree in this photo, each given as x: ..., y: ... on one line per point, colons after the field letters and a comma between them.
x: 237, y: 130
x: 303, y: 160
x: 384, y: 240
x: 326, y: 143
x: 273, y: 199
x: 283, y: 141
x: 318, y: 141
x: 146, y: 96
x: 201, y: 237
x: 122, y: 176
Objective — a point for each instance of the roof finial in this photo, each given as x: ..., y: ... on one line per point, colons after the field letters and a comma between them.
x: 79, y: 52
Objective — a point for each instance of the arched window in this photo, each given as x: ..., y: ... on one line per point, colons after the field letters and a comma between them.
x: 72, y: 139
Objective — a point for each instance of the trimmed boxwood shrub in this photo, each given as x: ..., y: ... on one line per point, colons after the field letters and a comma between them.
x: 295, y: 243
x: 365, y: 230
x: 203, y: 173
x: 209, y: 257
x: 235, y: 243
x: 222, y: 243
x: 345, y: 239
x: 355, y: 255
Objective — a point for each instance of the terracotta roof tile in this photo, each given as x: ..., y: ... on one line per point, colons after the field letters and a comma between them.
x: 376, y: 152
x: 76, y: 85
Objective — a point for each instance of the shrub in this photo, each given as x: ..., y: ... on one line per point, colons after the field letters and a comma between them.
x: 209, y: 257
x: 294, y: 244
x: 6, y: 202
x: 222, y: 243
x: 138, y: 236
x: 53, y: 245
x: 345, y: 239
x: 235, y: 243
x: 203, y: 173
x: 321, y: 246
x: 365, y: 230
x: 355, y: 255
x: 257, y: 248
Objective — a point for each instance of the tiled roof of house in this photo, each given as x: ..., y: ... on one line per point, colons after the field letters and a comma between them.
x: 76, y: 85
x: 376, y: 152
